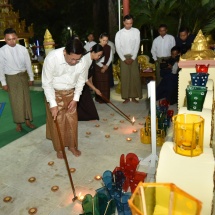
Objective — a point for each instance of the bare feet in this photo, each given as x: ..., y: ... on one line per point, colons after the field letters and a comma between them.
x: 135, y: 100
x: 18, y: 127
x: 126, y: 101
x: 75, y: 152
x: 60, y: 155
x: 28, y: 124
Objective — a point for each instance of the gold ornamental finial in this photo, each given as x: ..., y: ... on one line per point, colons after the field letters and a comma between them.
x: 48, y: 41
x: 200, y: 42
x: 199, y: 50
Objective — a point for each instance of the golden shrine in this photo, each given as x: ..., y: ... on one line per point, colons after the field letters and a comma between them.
x: 200, y: 49
x: 10, y: 19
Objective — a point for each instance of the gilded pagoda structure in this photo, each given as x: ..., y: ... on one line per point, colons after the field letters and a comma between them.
x: 11, y: 19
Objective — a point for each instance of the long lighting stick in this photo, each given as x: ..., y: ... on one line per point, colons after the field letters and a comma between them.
x: 108, y: 101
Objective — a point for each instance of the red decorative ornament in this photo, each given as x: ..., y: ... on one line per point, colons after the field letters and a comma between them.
x: 202, y: 68
x: 128, y: 165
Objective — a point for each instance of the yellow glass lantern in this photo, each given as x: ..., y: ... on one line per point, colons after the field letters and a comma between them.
x: 145, y: 135
x: 188, y: 134
x: 162, y: 199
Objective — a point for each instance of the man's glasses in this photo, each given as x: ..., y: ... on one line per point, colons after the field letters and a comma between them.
x: 68, y: 59
x: 74, y: 60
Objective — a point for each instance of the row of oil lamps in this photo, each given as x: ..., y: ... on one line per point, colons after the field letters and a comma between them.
x: 53, y: 188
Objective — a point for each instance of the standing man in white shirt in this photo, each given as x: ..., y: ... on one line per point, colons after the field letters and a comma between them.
x: 127, y: 43
x: 90, y: 42
x: 63, y: 77
x: 14, y: 61
x: 161, y: 48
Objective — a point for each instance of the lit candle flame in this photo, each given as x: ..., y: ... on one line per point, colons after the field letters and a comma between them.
x: 80, y: 197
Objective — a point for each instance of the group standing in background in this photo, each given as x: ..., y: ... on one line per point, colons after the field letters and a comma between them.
x: 70, y: 72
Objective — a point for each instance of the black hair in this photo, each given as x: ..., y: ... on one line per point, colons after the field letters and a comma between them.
x: 103, y: 35
x: 9, y: 31
x: 162, y: 26
x: 184, y: 29
x: 74, y: 46
x: 127, y: 17
x: 90, y: 34
x: 176, y: 48
x: 96, y: 48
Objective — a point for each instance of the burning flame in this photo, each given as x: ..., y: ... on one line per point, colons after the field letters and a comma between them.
x: 133, y: 120
x: 80, y: 197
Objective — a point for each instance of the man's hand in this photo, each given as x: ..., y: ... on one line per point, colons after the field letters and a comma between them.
x: 128, y: 61
x: 54, y: 112
x: 169, y: 66
x: 72, y: 106
x: 5, y: 88
x: 31, y: 83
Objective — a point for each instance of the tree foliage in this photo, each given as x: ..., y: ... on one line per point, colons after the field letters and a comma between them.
x: 93, y: 16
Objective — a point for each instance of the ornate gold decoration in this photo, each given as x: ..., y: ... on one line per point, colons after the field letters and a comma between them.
x: 210, y: 40
x: 199, y: 50
x: 37, y: 70
x: 116, y: 75
x: 48, y: 41
x: 9, y: 18
x: 143, y: 61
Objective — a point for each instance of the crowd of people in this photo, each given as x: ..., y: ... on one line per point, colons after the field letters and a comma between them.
x: 71, y: 72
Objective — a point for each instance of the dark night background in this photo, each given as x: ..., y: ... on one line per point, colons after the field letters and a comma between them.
x: 81, y: 16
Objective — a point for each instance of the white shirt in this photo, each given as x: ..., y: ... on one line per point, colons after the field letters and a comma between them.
x: 161, y: 46
x: 14, y: 60
x: 89, y: 45
x: 127, y: 42
x: 58, y: 74
x: 113, y: 48
x: 89, y: 61
x: 175, y: 68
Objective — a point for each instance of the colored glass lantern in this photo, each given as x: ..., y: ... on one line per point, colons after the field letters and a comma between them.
x: 202, y: 68
x: 195, y: 97
x: 199, y: 79
x: 162, y: 198
x: 188, y: 134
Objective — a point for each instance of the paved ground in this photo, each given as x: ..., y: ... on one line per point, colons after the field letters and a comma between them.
x: 29, y: 156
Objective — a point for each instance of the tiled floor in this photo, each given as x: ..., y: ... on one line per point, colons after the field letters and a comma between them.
x: 29, y: 156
